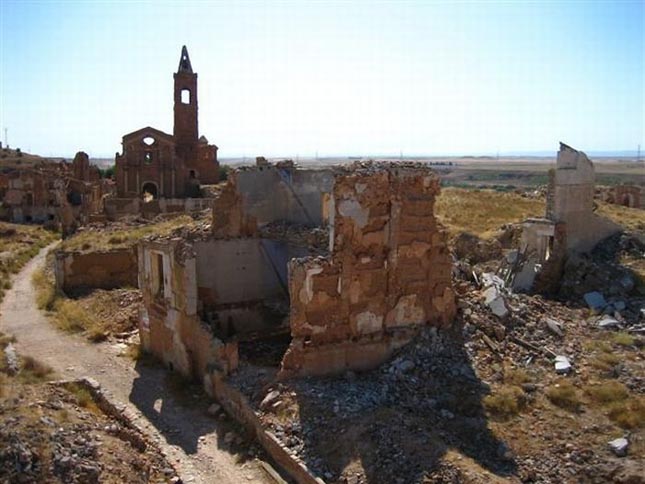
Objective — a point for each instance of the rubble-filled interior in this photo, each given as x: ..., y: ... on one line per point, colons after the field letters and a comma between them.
x: 346, y: 291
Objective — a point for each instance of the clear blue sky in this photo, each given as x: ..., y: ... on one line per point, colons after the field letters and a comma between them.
x: 286, y: 78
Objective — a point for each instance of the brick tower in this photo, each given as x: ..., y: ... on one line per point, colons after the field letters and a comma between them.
x: 185, y: 129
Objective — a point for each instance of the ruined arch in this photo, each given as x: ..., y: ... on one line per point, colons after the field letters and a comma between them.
x: 149, y: 191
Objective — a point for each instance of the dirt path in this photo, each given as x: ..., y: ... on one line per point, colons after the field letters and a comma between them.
x: 190, y: 438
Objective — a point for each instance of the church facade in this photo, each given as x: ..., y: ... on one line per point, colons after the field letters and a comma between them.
x: 158, y: 165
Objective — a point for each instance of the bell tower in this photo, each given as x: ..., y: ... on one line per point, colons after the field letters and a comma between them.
x: 185, y: 128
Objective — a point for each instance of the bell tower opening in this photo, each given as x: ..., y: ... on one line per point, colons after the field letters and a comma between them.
x: 185, y: 127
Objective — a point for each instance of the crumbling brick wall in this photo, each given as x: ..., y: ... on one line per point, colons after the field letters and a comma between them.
x: 389, y: 273
x: 104, y: 270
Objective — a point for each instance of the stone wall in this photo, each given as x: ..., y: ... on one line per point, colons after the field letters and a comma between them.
x: 116, y: 208
x: 573, y: 192
x: 272, y: 192
x: 170, y: 326
x: 389, y: 274
x: 105, y: 269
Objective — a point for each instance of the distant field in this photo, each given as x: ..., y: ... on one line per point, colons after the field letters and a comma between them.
x: 490, y: 171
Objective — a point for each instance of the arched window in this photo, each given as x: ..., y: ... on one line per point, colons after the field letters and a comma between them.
x: 185, y: 96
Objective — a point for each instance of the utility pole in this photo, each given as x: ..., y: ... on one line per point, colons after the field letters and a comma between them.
x: 6, y: 139
x: 638, y: 156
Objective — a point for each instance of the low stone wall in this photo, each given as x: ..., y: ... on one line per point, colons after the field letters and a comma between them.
x: 104, y: 270
x: 116, y: 208
x: 238, y: 407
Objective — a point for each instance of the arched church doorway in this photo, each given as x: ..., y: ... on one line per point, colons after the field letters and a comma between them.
x: 149, y: 191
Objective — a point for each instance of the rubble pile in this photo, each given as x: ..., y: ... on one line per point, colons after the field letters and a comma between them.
x: 601, y: 271
x: 315, y: 238
x: 395, y: 424
x: 47, y: 436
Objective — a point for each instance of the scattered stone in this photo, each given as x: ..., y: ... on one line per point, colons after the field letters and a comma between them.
x: 619, y: 446
x: 270, y: 398
x: 595, y: 300
x: 11, y: 359
x: 607, y: 322
x: 554, y: 326
x: 562, y: 364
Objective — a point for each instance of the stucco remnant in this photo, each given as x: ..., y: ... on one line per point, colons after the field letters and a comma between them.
x: 569, y: 227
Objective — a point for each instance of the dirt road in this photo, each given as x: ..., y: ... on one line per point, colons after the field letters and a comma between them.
x: 188, y: 436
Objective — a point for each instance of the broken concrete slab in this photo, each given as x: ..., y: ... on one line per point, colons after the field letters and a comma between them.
x: 271, y: 397
x: 607, y: 322
x: 619, y: 446
x: 562, y: 365
x: 494, y: 299
x: 595, y: 300
x: 554, y: 326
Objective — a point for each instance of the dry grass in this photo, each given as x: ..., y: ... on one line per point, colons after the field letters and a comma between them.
x: 516, y: 376
x: 45, y: 289
x: 482, y: 212
x: 623, y: 339
x: 605, y: 361
x: 608, y: 392
x: 630, y: 218
x: 564, y: 395
x: 68, y: 314
x: 34, y: 371
x: 506, y: 401
x: 82, y: 396
x: 628, y: 413
x: 105, y: 240
x: 18, y: 245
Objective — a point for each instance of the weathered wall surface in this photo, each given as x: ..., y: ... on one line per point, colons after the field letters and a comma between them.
x: 116, y: 208
x: 273, y: 193
x: 627, y: 195
x: 105, y: 270
x: 241, y: 270
x: 170, y: 327
x: 572, y: 201
x: 389, y: 273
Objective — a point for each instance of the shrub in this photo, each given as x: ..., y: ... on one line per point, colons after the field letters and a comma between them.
x: 45, y: 290
x: 605, y: 361
x: 623, y: 339
x: 564, y: 395
x: 223, y: 172
x: 34, y: 371
x: 516, y: 376
x: 507, y: 401
x: 629, y: 413
x: 607, y: 392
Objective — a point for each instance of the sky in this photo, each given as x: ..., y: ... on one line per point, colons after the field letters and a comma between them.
x: 286, y: 78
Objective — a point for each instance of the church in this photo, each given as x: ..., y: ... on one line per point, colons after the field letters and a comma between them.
x: 157, y: 165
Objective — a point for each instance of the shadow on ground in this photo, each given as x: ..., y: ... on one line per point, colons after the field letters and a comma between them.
x: 178, y: 409
x: 397, y: 425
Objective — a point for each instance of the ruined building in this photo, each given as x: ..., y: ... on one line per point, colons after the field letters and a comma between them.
x: 327, y: 270
x: 56, y: 194
x: 159, y: 165
x: 631, y: 196
x: 570, y: 225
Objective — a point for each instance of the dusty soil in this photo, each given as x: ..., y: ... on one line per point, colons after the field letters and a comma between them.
x: 178, y: 423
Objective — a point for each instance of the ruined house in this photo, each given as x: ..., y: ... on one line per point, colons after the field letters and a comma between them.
x: 570, y: 225
x: 166, y: 169
x: 631, y: 196
x: 60, y: 195
x: 330, y: 270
